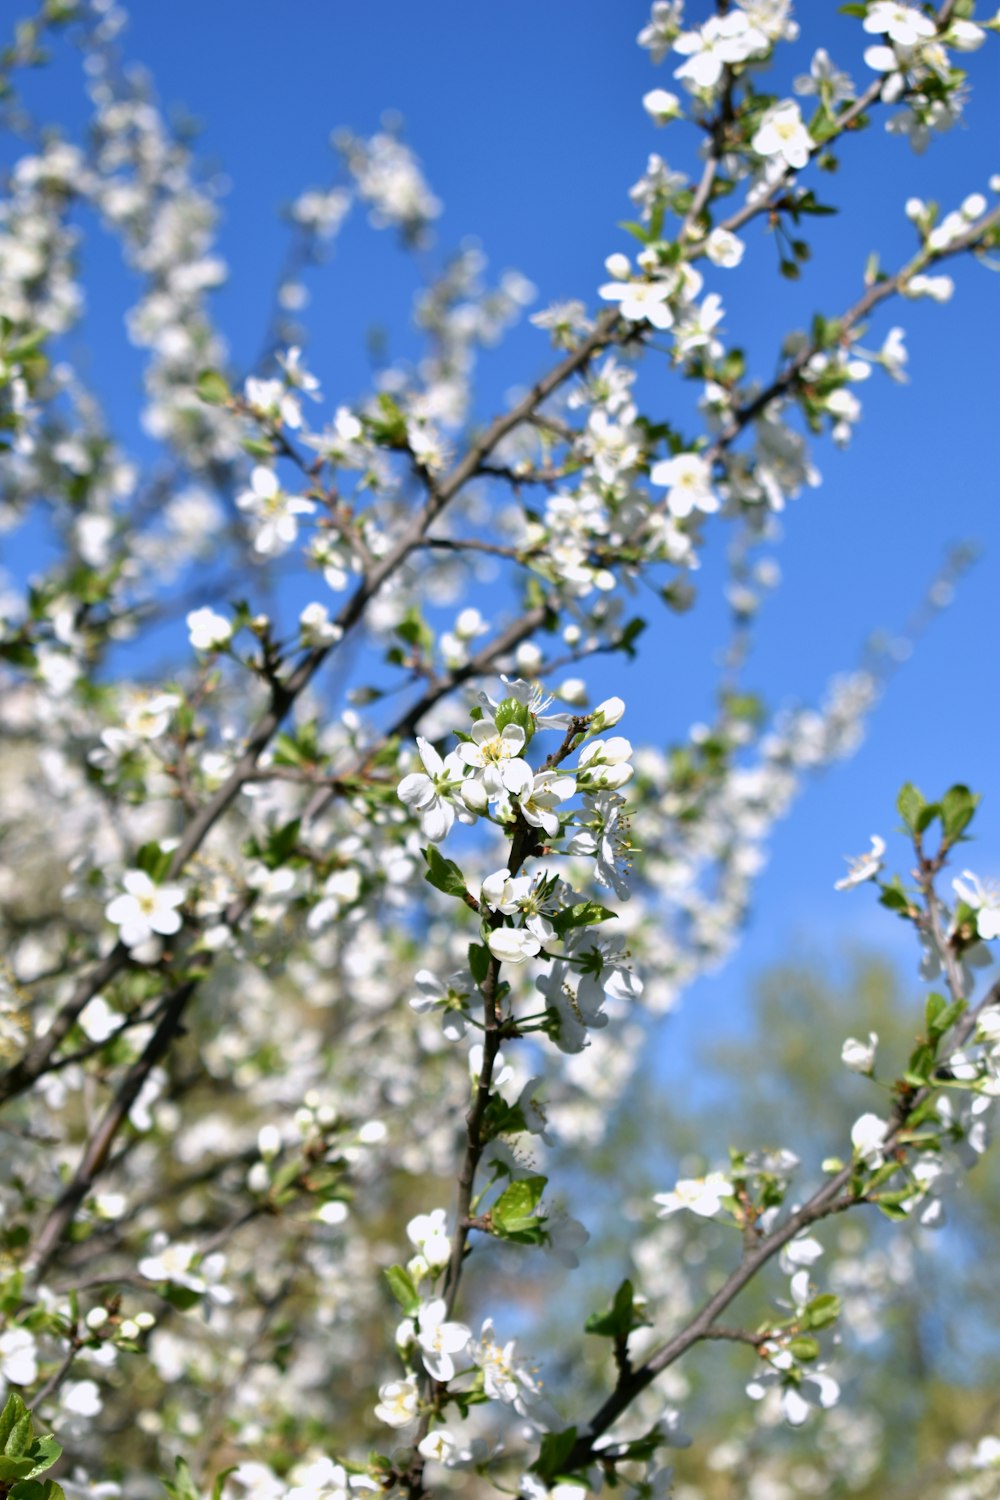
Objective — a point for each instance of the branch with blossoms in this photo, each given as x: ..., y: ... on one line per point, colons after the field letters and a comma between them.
x: 222, y: 1108
x: 898, y: 1164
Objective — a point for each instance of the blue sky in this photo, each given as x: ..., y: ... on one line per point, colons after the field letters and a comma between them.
x: 528, y: 120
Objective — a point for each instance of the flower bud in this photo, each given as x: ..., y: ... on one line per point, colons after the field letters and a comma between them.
x: 474, y: 795
x: 859, y: 1056
x: 606, y: 714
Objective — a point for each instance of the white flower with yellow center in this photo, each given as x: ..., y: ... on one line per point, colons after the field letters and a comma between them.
x: 397, y: 1403
x: 782, y: 133
x: 275, y: 512
x: 145, y: 909
x: 495, y: 756
x: 688, y: 480
x: 439, y: 1339
x: 702, y: 1195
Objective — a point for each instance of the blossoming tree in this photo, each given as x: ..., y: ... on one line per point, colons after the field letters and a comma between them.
x: 319, y: 937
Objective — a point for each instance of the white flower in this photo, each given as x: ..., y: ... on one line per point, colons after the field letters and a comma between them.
x: 513, y: 945
x: 564, y: 1237
x: 148, y: 718
x: 81, y: 1398
x: 506, y: 1379
x: 397, y: 1403
x: 98, y: 1020
x: 174, y: 1263
x: 207, y: 630
x: 688, y: 478
x: 274, y: 511
x: 429, y: 794
x: 859, y: 1056
x: 606, y: 839
x: 893, y: 356
x: 439, y: 1339
x: 496, y: 755
x: 723, y: 40
x: 901, y: 23
x: 295, y: 372
x: 984, y: 898
x: 938, y: 288
x: 661, y: 28
x: 724, y: 248
x: 782, y: 133
x: 800, y: 1389
x: 18, y: 1358
x: 547, y: 790
x: 317, y: 627
x: 868, y: 1139
x: 439, y: 1445
x: 429, y: 1234
x: 661, y: 105
x: 825, y: 79
x: 606, y: 762
x: 641, y: 301
x: 271, y: 399
x: 702, y: 1195
x: 863, y: 867
x: 964, y: 36
x: 145, y: 909
x: 606, y: 715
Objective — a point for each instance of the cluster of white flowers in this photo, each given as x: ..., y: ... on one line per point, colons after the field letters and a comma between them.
x: 237, y: 1024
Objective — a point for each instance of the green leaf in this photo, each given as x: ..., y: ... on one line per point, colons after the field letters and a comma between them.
x: 444, y: 874
x: 153, y: 860
x: 554, y: 1453
x: 908, y: 805
x: 891, y: 1204
x: 893, y: 895
x: 403, y: 1289
x: 44, y: 1452
x: 926, y: 816
x: 213, y: 388
x: 389, y: 426
x: 515, y: 1209
x: 940, y: 1016
x: 14, y: 1411
x: 958, y: 805
x: 513, y: 711
x: 14, y: 1468
x: 626, y: 641
x: 920, y: 1066
x: 822, y: 1310
x: 219, y: 1484
x: 280, y: 844
x: 183, y: 1487
x: 479, y: 961
x: 583, y: 914
x: 636, y: 230
x: 804, y: 1348
x: 621, y: 1318
x: 19, y: 1437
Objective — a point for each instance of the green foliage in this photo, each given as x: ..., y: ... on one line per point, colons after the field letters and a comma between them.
x: 213, y: 388
x: 23, y: 1457
x: 515, y: 1213
x: 622, y: 1317
x: 402, y: 1287
x: 444, y: 874
x: 183, y: 1487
